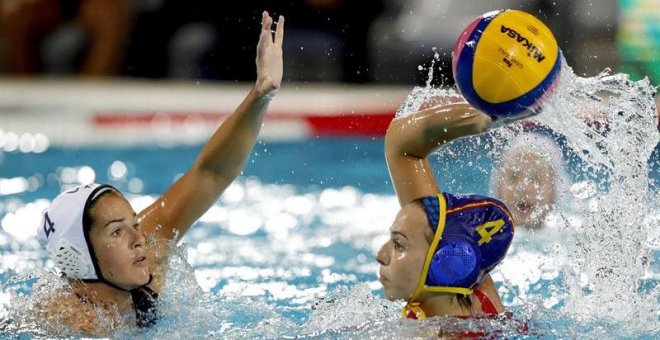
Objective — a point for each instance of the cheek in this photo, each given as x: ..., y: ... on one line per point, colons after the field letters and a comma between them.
x: 110, y: 253
x: 105, y: 252
x: 416, y: 265
x: 506, y: 193
x: 409, y: 267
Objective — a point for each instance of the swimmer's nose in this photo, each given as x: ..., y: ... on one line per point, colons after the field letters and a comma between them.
x: 138, y: 239
x: 381, y: 256
x: 531, y: 191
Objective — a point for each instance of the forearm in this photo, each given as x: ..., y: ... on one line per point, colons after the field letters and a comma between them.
x: 228, y: 149
x: 419, y: 134
x: 226, y: 152
x: 410, y: 139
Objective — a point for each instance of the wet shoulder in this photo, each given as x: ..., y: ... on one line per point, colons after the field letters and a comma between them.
x: 63, y: 311
x: 488, y: 289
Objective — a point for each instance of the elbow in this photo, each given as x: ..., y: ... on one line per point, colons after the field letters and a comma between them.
x: 214, y: 173
x: 394, y: 136
x: 405, y: 137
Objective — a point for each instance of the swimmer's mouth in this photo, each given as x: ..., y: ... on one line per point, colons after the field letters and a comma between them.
x: 523, y: 207
x: 141, y: 261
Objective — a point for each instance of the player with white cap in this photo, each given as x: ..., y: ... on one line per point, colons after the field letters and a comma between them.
x: 98, y: 242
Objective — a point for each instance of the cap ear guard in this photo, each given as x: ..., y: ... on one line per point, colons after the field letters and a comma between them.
x: 72, y: 261
x: 454, y: 264
x: 471, y: 236
x: 456, y: 260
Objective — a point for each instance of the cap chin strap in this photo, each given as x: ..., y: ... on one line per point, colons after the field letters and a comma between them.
x: 413, y: 310
x: 104, y: 281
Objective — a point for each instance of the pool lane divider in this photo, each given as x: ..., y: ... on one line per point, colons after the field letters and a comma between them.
x: 353, y: 124
x: 74, y: 113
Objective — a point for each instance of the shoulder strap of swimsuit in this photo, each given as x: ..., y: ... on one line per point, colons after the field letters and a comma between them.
x: 487, y: 306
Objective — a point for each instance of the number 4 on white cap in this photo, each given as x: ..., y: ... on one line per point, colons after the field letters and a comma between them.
x: 50, y: 224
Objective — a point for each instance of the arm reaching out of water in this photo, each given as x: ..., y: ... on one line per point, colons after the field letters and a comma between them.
x: 226, y: 152
x: 411, y: 138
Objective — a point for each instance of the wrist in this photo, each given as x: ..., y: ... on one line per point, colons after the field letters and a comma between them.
x: 265, y: 88
x: 262, y: 95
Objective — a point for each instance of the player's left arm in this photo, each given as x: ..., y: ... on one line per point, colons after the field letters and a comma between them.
x: 226, y: 152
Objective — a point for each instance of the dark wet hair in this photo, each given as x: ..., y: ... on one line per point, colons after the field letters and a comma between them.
x: 94, y: 197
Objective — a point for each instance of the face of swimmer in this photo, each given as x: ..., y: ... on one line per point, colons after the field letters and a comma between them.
x: 402, y: 257
x: 118, y: 242
x: 527, y: 187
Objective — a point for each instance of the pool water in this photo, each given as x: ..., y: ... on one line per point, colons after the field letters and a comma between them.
x: 288, y: 250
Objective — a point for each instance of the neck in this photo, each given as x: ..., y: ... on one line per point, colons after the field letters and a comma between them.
x: 100, y: 293
x: 443, y: 304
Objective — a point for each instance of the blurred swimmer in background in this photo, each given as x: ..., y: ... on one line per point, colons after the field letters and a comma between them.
x: 114, y: 259
x: 530, y: 178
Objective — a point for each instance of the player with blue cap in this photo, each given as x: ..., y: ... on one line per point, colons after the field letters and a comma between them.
x: 442, y: 246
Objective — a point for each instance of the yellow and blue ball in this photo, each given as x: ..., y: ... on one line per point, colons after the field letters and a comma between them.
x: 505, y: 62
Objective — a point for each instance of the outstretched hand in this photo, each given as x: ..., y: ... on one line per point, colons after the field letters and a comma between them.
x: 269, y: 56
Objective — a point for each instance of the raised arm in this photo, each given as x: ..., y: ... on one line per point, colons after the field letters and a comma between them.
x: 226, y: 152
x: 411, y: 138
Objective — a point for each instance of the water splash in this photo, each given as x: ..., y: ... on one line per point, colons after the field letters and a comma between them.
x: 263, y: 281
x: 607, y: 126
x: 346, y: 309
x: 609, y: 122
x: 34, y: 295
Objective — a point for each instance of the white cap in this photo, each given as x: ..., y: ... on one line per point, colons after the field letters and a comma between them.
x: 63, y: 232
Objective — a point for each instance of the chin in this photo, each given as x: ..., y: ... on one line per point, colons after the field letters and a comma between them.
x: 392, y: 296
x: 387, y: 293
x: 141, y: 279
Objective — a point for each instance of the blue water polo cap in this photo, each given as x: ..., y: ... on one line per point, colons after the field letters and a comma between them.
x: 472, y: 234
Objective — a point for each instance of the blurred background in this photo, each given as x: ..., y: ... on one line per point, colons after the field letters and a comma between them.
x: 126, y: 91
x: 357, y: 41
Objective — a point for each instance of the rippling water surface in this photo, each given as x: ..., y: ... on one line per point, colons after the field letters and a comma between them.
x: 288, y: 249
